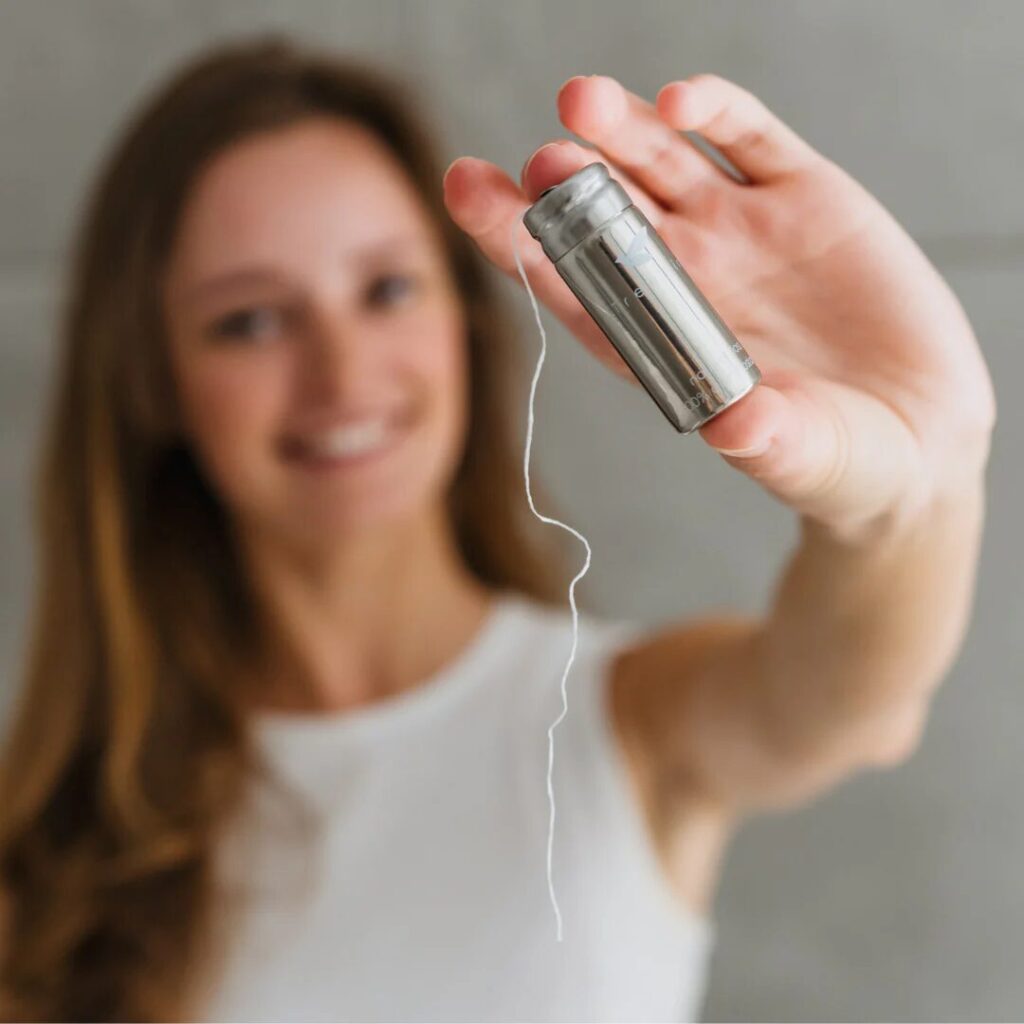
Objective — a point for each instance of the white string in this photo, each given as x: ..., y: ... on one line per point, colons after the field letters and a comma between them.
x: 572, y: 585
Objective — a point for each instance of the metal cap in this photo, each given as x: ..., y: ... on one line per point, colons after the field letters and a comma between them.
x: 567, y: 213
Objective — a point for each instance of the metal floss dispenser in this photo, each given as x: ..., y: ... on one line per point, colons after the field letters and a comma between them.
x: 631, y: 284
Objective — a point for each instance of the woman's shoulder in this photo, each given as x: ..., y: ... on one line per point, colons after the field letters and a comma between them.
x: 577, y: 652
x: 594, y: 629
x: 581, y: 647
x: 604, y: 764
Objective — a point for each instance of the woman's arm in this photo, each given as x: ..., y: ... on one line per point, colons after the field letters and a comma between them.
x: 872, y: 422
x: 837, y: 676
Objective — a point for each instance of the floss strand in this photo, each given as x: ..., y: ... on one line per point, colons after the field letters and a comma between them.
x: 572, y: 585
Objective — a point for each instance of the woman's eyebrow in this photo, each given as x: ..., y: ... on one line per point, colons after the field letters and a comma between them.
x: 232, y: 278
x: 258, y: 275
x: 387, y: 245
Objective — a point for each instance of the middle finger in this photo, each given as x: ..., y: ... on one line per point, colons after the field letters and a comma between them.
x: 631, y: 132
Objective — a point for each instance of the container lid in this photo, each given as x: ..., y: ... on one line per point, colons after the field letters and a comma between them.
x: 566, y: 213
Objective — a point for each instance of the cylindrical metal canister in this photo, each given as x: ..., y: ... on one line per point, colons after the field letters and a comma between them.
x: 646, y: 304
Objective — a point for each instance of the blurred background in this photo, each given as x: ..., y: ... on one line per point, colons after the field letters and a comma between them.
x: 897, y: 896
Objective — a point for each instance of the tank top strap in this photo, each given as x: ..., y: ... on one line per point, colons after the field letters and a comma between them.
x: 591, y: 768
x: 604, y: 783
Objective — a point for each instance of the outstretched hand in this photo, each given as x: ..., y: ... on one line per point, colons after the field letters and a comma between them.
x: 875, y: 398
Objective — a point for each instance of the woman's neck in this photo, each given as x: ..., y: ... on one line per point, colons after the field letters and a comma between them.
x: 356, y: 623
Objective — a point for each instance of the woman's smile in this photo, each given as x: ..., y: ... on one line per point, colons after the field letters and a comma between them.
x: 347, y: 446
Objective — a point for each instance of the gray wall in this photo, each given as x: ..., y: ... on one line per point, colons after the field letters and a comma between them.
x: 897, y: 896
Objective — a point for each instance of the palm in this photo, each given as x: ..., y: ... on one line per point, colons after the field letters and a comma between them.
x: 862, y: 346
x: 817, y: 279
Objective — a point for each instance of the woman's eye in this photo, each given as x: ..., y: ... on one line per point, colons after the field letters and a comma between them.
x: 257, y: 322
x: 389, y: 288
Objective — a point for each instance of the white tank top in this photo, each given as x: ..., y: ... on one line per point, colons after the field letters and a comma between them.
x: 417, y: 889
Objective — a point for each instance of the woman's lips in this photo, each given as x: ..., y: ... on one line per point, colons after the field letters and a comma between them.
x: 343, y: 448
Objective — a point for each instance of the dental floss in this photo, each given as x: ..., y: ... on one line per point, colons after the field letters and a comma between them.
x: 572, y: 585
x: 654, y: 315
x: 637, y: 292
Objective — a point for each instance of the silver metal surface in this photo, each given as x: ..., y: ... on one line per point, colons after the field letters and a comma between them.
x: 648, y: 307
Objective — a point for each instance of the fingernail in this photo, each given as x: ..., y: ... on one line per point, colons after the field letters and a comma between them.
x: 547, y: 145
x: 746, y: 453
x: 444, y: 177
x: 452, y: 164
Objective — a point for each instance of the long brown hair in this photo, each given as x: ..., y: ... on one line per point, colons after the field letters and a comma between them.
x: 130, y: 746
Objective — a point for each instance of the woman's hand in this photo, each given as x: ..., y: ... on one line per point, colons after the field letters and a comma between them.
x: 875, y: 398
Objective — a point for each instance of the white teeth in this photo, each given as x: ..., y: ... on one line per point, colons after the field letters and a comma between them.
x: 351, y: 440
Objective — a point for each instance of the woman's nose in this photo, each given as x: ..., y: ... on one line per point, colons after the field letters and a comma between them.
x: 336, y: 359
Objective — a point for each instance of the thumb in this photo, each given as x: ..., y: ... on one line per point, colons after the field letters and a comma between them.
x: 829, y: 451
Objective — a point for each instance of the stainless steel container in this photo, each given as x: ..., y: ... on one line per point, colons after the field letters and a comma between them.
x: 629, y: 281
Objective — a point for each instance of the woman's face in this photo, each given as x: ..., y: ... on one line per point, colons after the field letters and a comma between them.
x: 316, y: 338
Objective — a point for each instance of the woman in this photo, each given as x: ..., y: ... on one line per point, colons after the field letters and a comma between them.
x: 282, y: 745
